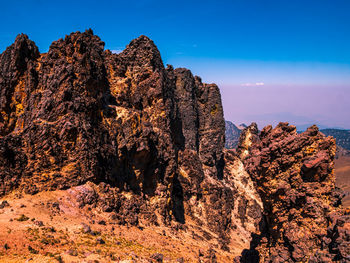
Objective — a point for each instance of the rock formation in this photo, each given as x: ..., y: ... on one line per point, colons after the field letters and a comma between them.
x: 146, y: 143
x: 151, y: 138
x: 303, y: 219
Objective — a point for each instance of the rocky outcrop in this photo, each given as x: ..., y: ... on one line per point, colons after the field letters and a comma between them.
x: 293, y: 173
x: 146, y: 143
x: 138, y: 139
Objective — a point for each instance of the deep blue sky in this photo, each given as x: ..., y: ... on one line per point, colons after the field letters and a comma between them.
x: 274, y: 60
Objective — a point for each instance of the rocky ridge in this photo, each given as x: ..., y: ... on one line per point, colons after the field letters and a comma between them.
x: 150, y: 138
x: 294, y: 174
x: 146, y: 143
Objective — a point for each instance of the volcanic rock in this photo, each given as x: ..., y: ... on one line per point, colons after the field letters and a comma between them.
x: 303, y: 219
x: 124, y: 135
x: 137, y: 139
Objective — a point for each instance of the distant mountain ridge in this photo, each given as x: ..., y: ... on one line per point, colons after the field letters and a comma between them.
x: 342, y: 137
x: 232, y: 134
x: 303, y: 127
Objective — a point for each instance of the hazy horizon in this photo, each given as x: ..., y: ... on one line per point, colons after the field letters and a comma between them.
x: 300, y: 106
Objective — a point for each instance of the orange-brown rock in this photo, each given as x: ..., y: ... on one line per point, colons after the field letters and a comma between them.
x: 124, y: 135
x: 293, y: 173
x: 151, y: 138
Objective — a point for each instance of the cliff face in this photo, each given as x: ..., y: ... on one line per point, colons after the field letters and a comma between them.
x: 303, y: 220
x: 150, y: 137
x: 146, y: 143
x: 85, y: 114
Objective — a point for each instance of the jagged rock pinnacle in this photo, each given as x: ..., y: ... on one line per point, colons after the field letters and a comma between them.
x: 147, y: 143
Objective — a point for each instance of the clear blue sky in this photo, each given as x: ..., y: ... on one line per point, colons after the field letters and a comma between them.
x: 274, y: 60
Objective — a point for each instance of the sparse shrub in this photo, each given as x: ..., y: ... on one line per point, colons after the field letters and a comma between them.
x: 44, y: 241
x: 49, y: 254
x: 99, y: 240
x: 59, y: 258
x: 49, y: 229
x: 72, y: 252
x: 32, y: 250
x: 22, y: 218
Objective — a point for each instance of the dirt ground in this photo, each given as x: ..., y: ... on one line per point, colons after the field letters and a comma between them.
x: 342, y: 173
x: 50, y: 227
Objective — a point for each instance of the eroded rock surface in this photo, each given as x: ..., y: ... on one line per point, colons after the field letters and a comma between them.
x: 127, y: 136
x: 138, y: 139
x: 293, y: 173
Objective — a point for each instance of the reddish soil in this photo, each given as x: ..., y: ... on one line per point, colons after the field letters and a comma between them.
x: 342, y: 173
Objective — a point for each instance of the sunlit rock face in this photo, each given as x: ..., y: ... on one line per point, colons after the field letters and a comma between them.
x: 150, y: 138
x: 146, y: 142
x: 293, y: 173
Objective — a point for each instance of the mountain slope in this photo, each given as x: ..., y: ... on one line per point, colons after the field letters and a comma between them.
x: 121, y: 137
x: 151, y: 138
x: 342, y: 137
x: 232, y: 133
